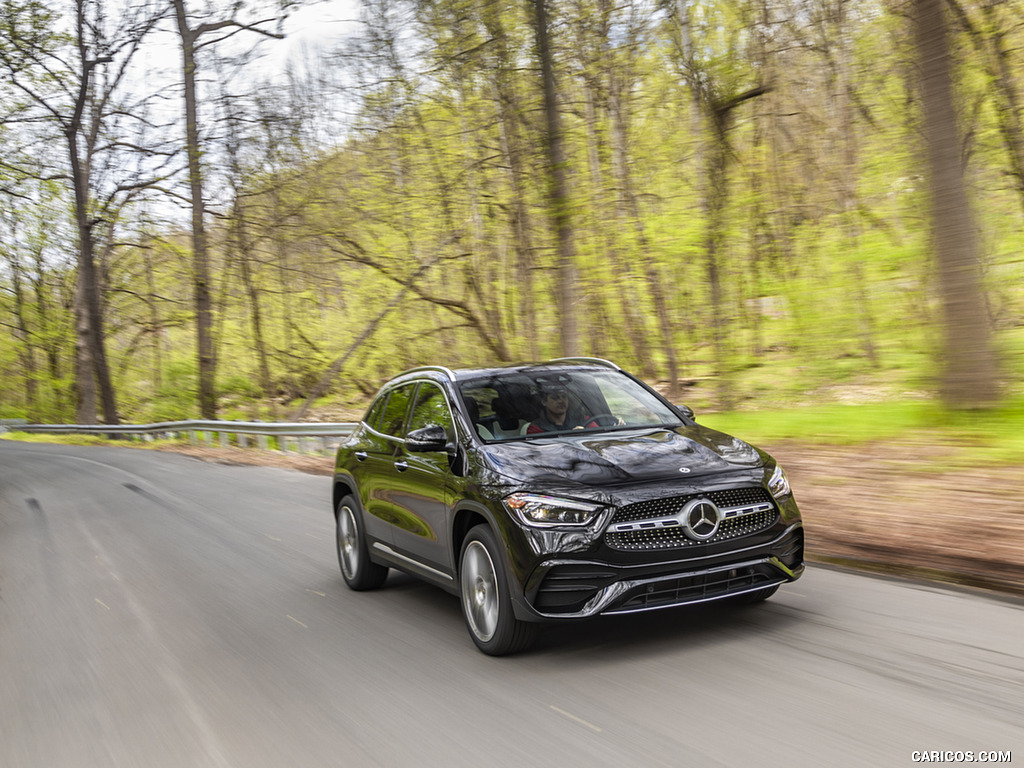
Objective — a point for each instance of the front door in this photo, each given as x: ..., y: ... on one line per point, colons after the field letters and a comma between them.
x: 377, y: 474
x: 423, y: 489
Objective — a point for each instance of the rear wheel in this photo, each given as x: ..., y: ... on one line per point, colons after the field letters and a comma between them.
x: 486, y: 606
x: 358, y: 570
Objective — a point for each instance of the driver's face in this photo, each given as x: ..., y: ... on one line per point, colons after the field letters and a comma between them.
x: 556, y: 403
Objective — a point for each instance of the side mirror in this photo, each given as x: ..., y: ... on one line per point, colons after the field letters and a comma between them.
x: 429, y: 439
x: 687, y: 411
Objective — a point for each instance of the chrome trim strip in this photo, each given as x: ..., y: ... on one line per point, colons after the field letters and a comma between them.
x: 676, y: 520
x: 624, y: 611
x: 415, y: 563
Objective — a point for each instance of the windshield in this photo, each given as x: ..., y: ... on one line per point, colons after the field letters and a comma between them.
x: 545, y: 401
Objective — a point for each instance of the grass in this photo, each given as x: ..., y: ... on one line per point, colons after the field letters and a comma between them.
x: 992, y: 437
x: 27, y: 437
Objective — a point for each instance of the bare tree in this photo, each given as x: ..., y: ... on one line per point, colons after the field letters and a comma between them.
x: 73, y: 86
x: 968, y: 364
x: 991, y: 37
x: 559, y: 203
x: 509, y: 107
x: 190, y: 35
x: 715, y: 97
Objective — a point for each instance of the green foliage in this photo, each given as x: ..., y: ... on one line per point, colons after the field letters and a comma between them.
x: 175, y: 400
x: 435, y: 188
x: 12, y: 412
x: 238, y: 385
x: 976, y: 438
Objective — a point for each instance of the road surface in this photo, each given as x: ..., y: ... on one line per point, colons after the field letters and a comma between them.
x: 157, y: 611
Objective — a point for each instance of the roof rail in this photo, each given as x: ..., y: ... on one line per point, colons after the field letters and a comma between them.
x: 446, y: 371
x: 592, y: 360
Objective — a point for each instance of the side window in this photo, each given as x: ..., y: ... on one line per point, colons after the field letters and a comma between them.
x: 372, y: 418
x: 394, y: 412
x: 431, y: 407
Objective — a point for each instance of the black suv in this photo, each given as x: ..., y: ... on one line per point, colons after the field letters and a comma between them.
x: 554, y: 492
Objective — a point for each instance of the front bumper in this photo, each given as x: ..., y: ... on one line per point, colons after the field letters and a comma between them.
x: 577, y: 589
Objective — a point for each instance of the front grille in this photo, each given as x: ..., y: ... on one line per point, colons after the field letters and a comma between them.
x: 672, y: 537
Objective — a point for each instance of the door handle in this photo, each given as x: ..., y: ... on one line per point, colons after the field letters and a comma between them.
x: 401, y: 466
x: 361, y: 455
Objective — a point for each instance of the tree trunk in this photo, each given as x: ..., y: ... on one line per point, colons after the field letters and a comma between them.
x: 630, y: 309
x: 85, y: 380
x: 619, y: 109
x: 200, y: 258
x: 242, y: 249
x: 92, y: 371
x: 22, y: 334
x: 968, y: 360
x: 509, y: 111
x: 717, y: 196
x: 849, y: 203
x: 558, y: 189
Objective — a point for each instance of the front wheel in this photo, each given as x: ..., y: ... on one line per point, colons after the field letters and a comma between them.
x: 486, y: 606
x: 359, y: 572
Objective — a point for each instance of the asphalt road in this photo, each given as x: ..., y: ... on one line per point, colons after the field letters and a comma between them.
x: 156, y: 610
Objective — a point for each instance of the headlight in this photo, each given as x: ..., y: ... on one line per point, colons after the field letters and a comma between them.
x: 544, y: 511
x: 779, y: 484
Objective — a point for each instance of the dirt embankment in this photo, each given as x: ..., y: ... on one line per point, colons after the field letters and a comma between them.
x: 876, y: 505
x: 869, y: 506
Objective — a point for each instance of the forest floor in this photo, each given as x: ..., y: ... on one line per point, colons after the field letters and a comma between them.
x: 886, y: 507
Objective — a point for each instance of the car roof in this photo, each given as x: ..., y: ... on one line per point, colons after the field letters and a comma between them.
x: 466, y: 374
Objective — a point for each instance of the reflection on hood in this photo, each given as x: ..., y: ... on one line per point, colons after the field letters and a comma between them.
x: 609, y: 458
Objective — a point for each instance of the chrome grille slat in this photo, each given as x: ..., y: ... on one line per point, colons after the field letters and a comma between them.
x: 655, y: 524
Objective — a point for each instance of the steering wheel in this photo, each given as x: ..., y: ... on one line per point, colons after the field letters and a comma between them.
x: 604, y: 419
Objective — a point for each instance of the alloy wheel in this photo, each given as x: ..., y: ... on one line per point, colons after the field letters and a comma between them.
x: 480, y: 591
x: 348, y: 542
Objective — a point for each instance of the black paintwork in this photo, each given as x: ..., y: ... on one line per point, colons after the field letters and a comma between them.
x: 419, y: 497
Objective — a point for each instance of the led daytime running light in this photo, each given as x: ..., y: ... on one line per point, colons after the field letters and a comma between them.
x: 541, y: 511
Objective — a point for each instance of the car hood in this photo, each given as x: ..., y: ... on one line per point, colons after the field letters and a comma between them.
x: 617, y: 457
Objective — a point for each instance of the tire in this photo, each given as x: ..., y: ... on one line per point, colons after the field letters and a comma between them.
x: 750, y: 598
x: 484, y: 594
x: 359, y: 572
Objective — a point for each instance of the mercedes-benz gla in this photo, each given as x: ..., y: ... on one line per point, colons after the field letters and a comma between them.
x: 557, y: 492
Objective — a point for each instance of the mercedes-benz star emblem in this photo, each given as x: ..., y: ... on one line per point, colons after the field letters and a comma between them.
x: 701, y: 519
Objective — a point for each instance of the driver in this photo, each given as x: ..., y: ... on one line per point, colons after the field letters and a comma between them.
x: 554, y: 412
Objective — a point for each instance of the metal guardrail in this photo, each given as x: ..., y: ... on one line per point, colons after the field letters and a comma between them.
x: 322, y: 438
